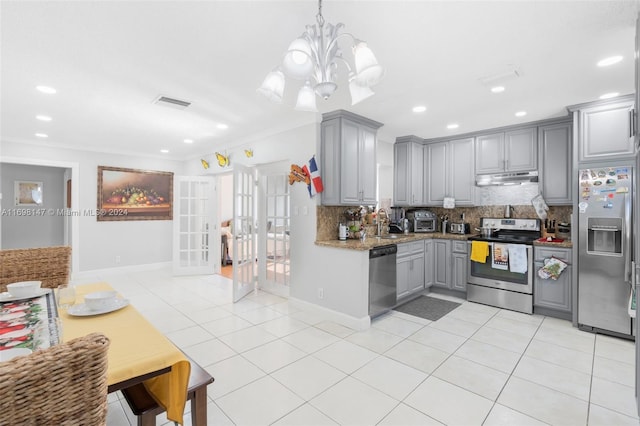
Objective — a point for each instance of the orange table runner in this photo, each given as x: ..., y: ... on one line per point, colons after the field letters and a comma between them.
x: 137, y: 348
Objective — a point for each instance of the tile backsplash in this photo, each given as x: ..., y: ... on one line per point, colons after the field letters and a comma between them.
x: 328, y: 217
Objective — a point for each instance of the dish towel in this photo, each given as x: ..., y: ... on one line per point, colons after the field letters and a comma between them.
x: 552, y: 268
x: 479, y: 251
x: 518, y: 258
x: 500, y: 257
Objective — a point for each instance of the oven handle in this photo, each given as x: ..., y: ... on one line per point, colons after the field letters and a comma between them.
x: 529, y: 247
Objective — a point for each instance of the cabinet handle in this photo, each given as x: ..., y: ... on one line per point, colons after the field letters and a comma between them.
x: 631, y: 123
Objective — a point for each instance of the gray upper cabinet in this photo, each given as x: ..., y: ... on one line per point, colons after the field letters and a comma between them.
x: 349, y: 169
x: 605, y: 130
x: 555, y: 163
x: 511, y: 151
x: 449, y: 172
x: 408, y: 171
x: 490, y: 153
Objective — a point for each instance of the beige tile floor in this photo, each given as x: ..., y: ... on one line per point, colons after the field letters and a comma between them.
x: 276, y: 364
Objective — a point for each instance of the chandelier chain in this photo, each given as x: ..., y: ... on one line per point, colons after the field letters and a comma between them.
x: 319, y: 16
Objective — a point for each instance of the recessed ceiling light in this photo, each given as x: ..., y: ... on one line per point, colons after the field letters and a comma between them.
x: 521, y: 113
x: 43, y: 117
x: 46, y: 89
x: 453, y: 126
x: 222, y: 126
x: 497, y: 89
x: 609, y: 95
x: 609, y: 61
x: 419, y: 108
x: 42, y: 135
x: 188, y: 141
x: 164, y: 151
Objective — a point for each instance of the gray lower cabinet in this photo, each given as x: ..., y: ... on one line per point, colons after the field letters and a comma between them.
x: 410, y: 268
x: 428, y: 263
x: 552, y: 294
x: 554, y: 144
x: 450, y: 264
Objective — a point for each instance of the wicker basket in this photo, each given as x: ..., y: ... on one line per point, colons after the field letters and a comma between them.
x: 65, y: 384
x: 50, y: 265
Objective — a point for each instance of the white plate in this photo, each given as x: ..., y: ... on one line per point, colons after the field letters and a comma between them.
x: 7, y: 297
x: 8, y: 354
x: 82, y: 310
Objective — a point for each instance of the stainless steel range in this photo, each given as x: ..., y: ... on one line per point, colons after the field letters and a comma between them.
x: 500, y: 270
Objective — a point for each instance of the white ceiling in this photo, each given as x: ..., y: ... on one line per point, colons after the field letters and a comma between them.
x: 110, y: 59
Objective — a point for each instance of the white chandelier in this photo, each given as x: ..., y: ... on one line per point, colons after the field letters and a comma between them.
x: 313, y: 58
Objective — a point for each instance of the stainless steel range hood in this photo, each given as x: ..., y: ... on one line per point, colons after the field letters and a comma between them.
x: 503, y: 179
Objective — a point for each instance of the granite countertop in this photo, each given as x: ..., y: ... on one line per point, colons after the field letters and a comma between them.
x: 371, y: 242
x: 563, y: 244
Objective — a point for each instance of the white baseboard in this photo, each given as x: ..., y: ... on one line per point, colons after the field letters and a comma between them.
x: 331, y: 315
x: 120, y: 269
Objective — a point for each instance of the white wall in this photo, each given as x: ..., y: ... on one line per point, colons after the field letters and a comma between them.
x: 144, y: 242
x: 312, y: 267
x: 20, y: 230
x: 136, y: 242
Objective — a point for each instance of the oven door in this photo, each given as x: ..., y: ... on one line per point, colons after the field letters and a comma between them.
x: 485, y: 274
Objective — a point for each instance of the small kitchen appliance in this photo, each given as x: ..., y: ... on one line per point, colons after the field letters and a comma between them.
x: 422, y: 221
x: 459, y: 228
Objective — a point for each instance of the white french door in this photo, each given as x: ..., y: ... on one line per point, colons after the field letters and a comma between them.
x: 244, y: 231
x: 193, y: 225
x: 274, y: 219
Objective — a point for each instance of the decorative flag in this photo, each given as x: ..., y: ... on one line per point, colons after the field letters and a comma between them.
x: 315, y: 185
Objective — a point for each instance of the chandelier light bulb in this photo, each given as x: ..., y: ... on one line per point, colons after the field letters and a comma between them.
x: 358, y: 92
x: 273, y: 86
x: 297, y: 63
x: 306, y: 99
x: 368, y: 71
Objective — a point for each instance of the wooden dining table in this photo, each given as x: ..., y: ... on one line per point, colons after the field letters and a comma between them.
x: 138, y: 353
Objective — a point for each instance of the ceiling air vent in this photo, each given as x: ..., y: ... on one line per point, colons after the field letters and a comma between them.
x: 171, y: 102
x: 509, y: 72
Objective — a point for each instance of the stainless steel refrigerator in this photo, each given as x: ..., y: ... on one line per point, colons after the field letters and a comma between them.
x: 605, y: 249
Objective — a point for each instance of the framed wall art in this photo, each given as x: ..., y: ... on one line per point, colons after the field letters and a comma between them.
x: 130, y: 194
x: 27, y: 193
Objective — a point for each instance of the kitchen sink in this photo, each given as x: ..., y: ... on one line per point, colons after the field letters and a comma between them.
x: 389, y: 237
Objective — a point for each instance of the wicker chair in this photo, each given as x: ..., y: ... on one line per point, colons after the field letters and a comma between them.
x: 65, y: 384
x: 50, y: 265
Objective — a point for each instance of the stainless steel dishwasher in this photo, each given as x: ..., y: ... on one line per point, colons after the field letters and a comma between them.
x: 382, y: 279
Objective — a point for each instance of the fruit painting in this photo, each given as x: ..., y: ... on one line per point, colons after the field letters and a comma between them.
x: 129, y: 194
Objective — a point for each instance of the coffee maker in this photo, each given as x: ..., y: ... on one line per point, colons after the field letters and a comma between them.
x: 396, y: 220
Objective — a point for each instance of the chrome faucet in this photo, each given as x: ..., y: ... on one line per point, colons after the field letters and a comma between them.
x: 381, y: 220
